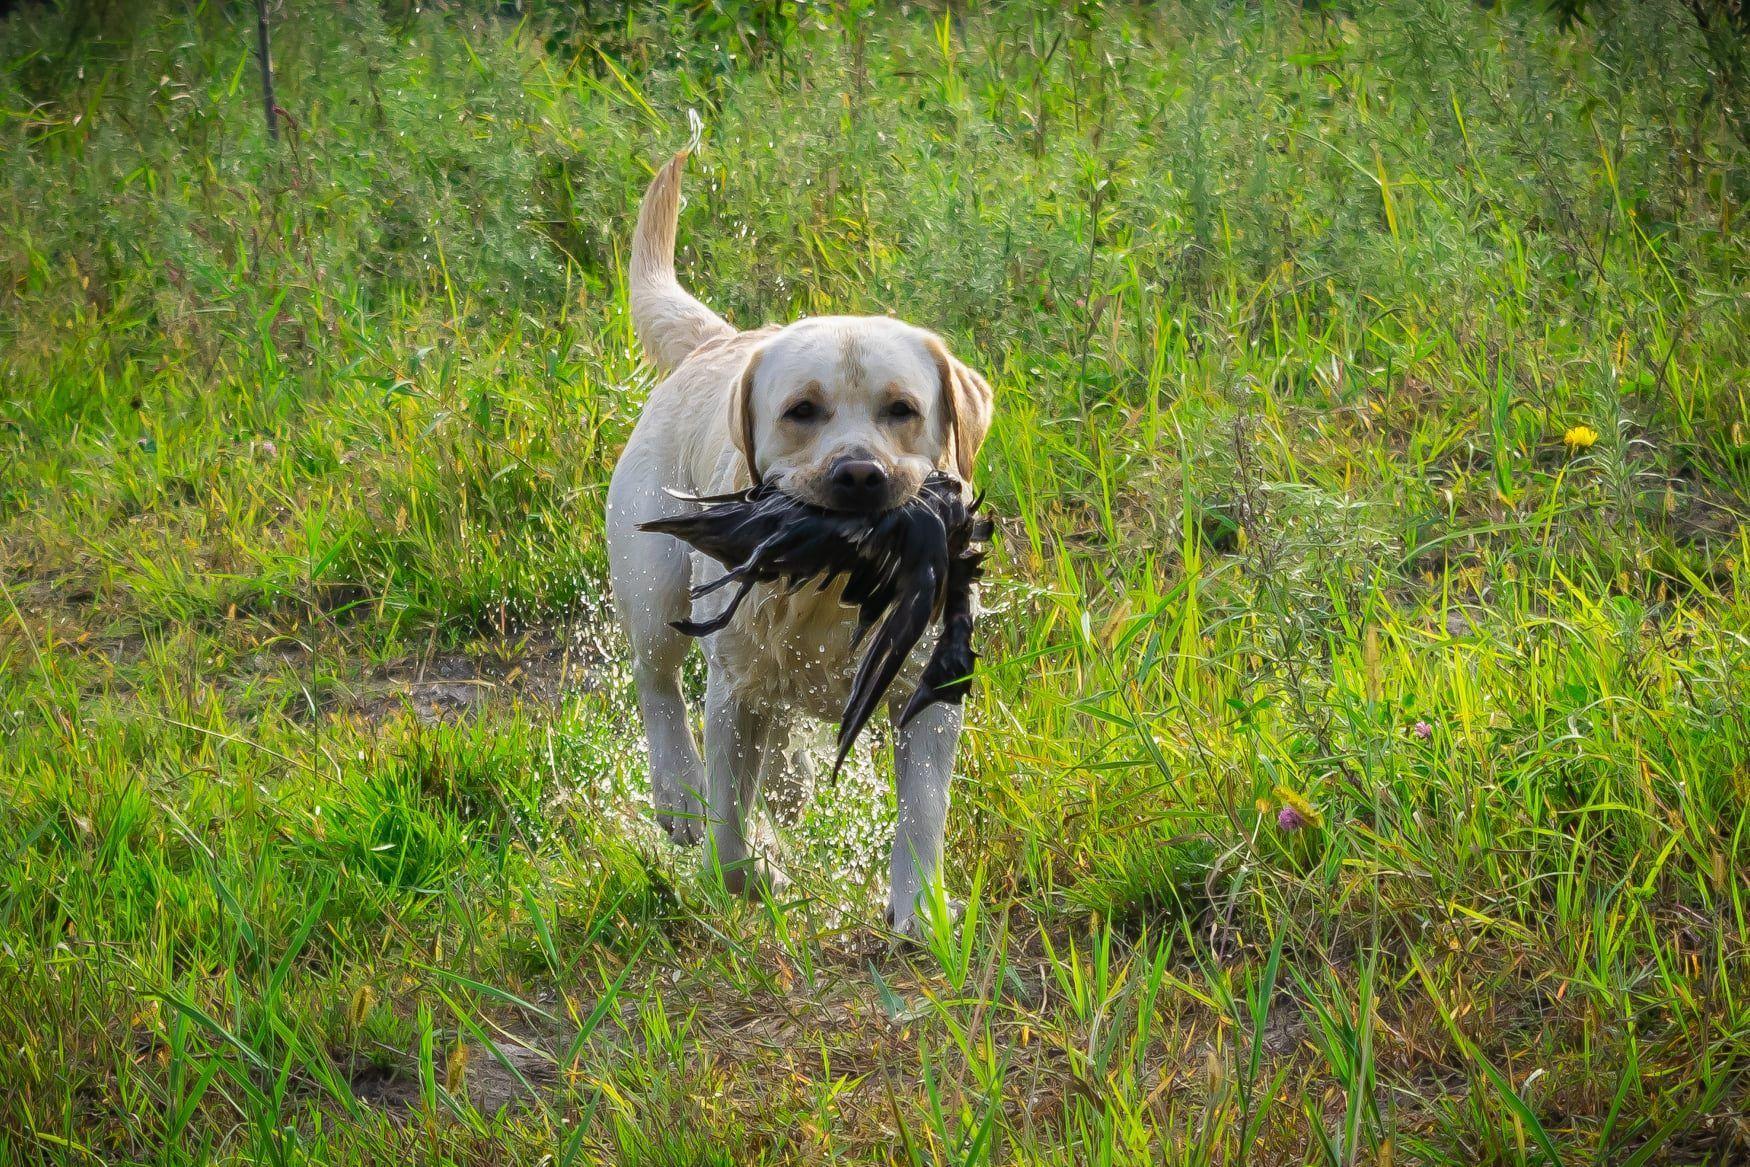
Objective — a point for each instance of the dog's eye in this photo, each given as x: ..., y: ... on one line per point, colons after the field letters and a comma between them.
x: 802, y: 411
x: 901, y: 410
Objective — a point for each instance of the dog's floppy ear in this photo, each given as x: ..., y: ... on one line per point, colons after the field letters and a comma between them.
x: 967, y: 398
x: 741, y: 414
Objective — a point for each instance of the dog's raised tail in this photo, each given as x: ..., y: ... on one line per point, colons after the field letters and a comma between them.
x: 670, y: 323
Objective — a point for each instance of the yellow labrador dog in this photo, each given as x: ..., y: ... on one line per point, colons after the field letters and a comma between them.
x: 845, y: 412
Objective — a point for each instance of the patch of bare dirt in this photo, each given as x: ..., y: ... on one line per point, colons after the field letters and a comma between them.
x: 540, y: 666
x: 492, y: 1077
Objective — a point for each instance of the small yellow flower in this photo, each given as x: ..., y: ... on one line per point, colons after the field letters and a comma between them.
x: 1580, y: 437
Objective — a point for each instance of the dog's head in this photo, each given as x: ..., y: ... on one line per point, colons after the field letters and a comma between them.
x: 852, y: 413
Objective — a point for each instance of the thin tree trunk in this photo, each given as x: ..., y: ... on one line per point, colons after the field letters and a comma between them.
x: 266, y: 58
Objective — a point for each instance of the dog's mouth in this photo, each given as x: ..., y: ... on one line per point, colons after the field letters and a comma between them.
x: 838, y: 500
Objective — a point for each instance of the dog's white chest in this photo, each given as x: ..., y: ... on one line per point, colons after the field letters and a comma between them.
x: 791, y: 649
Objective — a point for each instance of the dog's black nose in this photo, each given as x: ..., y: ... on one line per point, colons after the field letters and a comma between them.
x: 859, y: 483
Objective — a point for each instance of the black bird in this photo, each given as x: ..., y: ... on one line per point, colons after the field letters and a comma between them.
x: 902, y: 567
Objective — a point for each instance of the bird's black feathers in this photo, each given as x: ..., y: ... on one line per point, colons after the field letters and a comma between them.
x: 901, y: 567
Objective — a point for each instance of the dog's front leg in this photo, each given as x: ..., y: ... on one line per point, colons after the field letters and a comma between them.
x: 923, y: 763
x: 734, y: 733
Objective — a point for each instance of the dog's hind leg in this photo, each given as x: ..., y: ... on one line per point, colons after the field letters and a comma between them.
x: 786, y: 772
x: 735, y: 733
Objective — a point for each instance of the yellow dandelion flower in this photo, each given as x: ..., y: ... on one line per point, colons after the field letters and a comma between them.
x: 1580, y: 437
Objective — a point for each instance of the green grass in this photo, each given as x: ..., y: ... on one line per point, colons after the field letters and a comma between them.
x: 322, y: 826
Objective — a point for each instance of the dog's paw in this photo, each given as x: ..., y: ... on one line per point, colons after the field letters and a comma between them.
x: 907, y: 932
x: 914, y: 928
x: 684, y: 830
x: 755, y: 879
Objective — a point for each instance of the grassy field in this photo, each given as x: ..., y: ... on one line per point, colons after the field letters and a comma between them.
x: 1360, y: 765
